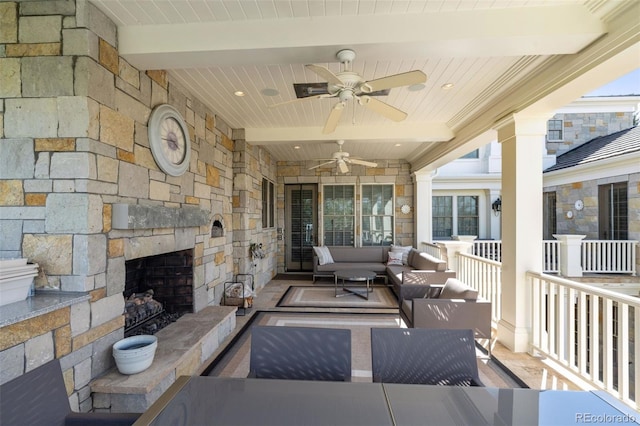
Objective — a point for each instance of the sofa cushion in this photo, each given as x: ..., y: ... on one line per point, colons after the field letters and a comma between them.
x: 376, y: 267
x: 324, y: 255
x: 456, y: 289
x: 395, y: 258
x: 359, y: 254
x: 425, y: 262
x: 405, y: 252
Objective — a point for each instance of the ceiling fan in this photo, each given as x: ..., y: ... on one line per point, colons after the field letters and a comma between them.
x: 348, y: 85
x: 341, y: 159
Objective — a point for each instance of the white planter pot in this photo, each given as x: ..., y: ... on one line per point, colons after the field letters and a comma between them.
x: 11, y: 263
x: 15, y: 288
x: 135, y: 354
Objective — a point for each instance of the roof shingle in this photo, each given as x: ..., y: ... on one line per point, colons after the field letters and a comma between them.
x: 613, y: 145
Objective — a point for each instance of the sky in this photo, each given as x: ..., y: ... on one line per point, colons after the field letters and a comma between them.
x: 628, y: 84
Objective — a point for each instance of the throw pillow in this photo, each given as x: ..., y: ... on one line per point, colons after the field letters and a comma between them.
x: 395, y: 258
x: 405, y: 252
x: 456, y: 289
x: 324, y: 255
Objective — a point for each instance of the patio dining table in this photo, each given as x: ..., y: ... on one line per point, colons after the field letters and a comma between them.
x: 204, y: 400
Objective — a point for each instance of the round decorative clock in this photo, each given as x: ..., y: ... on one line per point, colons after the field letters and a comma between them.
x: 169, y: 140
x: 579, y: 205
x: 405, y: 209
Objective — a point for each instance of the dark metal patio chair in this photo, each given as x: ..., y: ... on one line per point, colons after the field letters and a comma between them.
x: 424, y: 356
x: 300, y: 353
x: 39, y: 397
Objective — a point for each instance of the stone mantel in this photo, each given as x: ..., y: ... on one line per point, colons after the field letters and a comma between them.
x: 136, y: 216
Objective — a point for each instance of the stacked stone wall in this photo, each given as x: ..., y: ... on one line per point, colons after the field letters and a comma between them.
x: 252, y: 164
x: 585, y: 221
x: 579, y: 128
x: 73, y: 129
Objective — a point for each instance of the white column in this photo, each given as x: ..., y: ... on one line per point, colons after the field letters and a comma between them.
x: 521, y: 223
x: 570, y: 245
x: 423, y: 189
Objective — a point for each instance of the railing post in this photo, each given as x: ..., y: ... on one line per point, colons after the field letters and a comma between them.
x: 570, y: 254
x: 449, y: 249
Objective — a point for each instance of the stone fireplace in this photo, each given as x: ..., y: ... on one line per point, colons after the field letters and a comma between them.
x: 158, y: 290
x: 82, y: 196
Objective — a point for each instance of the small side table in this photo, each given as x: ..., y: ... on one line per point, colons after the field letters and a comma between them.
x: 354, y: 275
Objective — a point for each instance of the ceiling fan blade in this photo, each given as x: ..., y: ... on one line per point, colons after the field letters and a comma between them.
x: 322, y: 164
x: 396, y: 80
x: 325, y: 73
x: 362, y: 162
x: 334, y: 118
x: 392, y: 113
x: 342, y: 166
x: 324, y: 95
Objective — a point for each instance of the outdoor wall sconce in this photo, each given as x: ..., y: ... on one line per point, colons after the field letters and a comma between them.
x: 496, y: 206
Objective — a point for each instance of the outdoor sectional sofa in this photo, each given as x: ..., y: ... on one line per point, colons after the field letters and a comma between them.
x: 421, y: 268
x: 370, y: 258
x: 453, y: 305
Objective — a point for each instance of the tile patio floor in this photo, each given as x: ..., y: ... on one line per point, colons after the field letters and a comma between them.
x: 531, y: 370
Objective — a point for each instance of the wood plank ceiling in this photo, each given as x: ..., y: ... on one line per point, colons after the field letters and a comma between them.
x: 484, y: 48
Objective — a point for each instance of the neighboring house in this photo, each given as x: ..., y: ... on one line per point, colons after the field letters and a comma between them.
x: 594, y: 189
x: 592, y: 156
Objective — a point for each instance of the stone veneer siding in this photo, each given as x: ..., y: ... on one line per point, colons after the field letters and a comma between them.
x: 585, y: 222
x: 583, y: 127
x: 396, y: 172
x: 74, y: 143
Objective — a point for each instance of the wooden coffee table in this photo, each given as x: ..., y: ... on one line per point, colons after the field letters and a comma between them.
x: 354, y: 275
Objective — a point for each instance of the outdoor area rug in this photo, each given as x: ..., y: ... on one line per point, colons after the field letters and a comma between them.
x: 324, y: 297
x: 234, y: 362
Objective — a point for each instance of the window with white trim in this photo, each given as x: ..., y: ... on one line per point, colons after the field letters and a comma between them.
x: 454, y: 215
x: 268, y: 204
x: 338, y: 215
x: 377, y: 215
x: 555, y: 130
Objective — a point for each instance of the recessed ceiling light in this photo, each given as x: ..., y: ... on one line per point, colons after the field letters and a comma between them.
x: 239, y: 93
x: 447, y: 86
x: 398, y: 144
x: 416, y: 87
x: 270, y: 92
x: 296, y: 147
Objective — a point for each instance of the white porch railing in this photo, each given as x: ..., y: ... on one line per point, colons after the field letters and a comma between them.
x: 550, y: 256
x: 609, y: 256
x: 485, y: 276
x: 592, y: 332
x: 597, y: 256
x: 432, y: 249
x: 589, y: 332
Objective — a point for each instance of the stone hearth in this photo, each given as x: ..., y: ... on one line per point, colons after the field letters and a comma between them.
x: 182, y: 350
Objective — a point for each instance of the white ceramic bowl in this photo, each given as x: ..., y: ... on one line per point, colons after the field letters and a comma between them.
x: 135, y: 354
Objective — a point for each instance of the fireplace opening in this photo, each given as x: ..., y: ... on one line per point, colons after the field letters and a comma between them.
x: 158, y: 291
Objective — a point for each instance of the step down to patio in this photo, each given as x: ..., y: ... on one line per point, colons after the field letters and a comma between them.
x: 182, y: 349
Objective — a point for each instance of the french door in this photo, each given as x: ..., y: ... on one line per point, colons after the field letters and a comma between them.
x: 301, y: 209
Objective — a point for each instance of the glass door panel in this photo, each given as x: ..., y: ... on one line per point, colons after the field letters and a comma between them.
x: 300, y: 232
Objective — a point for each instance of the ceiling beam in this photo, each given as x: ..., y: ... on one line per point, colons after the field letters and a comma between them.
x: 549, y: 30
x: 396, y: 132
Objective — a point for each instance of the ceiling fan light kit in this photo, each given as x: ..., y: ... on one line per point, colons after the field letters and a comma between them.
x: 342, y: 159
x: 347, y: 85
